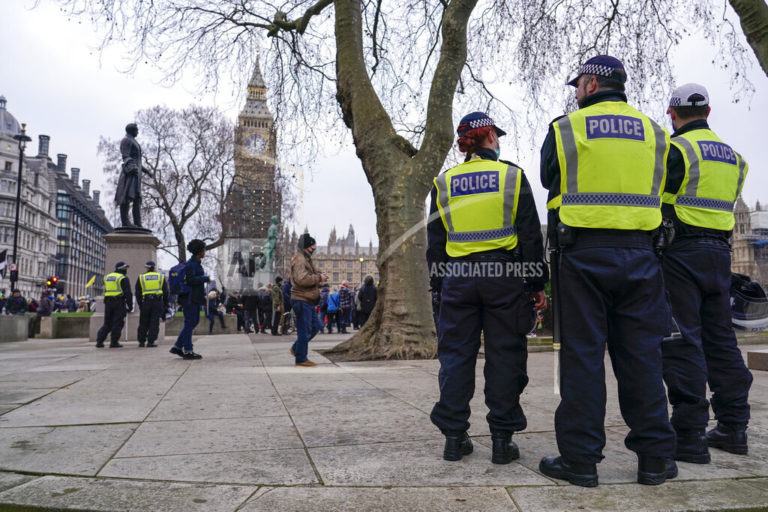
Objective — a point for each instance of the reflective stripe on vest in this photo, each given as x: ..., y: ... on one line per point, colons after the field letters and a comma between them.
x: 711, y: 183
x: 477, y: 201
x: 151, y: 283
x: 613, y: 166
x: 112, y: 286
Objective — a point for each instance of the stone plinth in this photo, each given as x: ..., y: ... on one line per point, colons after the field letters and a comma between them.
x: 757, y: 360
x: 14, y: 328
x: 135, y: 249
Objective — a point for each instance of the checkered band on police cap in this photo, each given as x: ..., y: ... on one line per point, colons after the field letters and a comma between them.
x: 477, y: 120
x: 602, y: 65
x: 689, y: 95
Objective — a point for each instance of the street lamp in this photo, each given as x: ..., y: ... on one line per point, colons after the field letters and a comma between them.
x: 361, y: 271
x: 23, y: 138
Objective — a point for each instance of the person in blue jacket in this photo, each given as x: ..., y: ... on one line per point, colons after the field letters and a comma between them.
x: 195, y: 278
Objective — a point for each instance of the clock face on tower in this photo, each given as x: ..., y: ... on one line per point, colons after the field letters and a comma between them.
x: 255, y: 144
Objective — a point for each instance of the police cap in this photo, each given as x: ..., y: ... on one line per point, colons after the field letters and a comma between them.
x: 476, y: 120
x: 602, y: 65
x: 121, y: 265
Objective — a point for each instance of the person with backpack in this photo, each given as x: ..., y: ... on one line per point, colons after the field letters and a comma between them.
x: 188, y: 280
x: 277, y: 306
x: 334, y: 311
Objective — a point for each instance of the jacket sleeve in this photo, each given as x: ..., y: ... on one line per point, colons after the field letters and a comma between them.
x: 195, y: 274
x: 139, y: 295
x: 530, y: 239
x: 550, y: 165
x: 125, y: 285
x: 302, y: 275
x: 436, y: 240
x: 166, y: 293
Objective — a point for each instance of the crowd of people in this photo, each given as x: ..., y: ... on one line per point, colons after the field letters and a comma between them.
x: 47, y: 304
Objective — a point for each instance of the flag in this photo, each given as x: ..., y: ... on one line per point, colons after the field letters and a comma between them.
x: 91, y: 281
x: 3, y: 263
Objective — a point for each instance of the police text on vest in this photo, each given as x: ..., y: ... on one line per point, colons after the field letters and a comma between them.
x: 615, y: 127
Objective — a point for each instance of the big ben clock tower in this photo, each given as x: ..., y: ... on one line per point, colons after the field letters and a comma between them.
x: 254, y: 198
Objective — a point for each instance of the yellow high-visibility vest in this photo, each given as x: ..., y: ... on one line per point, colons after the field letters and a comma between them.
x: 112, y: 286
x: 714, y: 177
x: 477, y: 202
x: 151, y: 283
x: 613, y: 164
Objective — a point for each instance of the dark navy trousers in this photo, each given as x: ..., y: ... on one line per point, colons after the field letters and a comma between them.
x: 612, y: 294
x: 697, y: 274
x: 497, y: 307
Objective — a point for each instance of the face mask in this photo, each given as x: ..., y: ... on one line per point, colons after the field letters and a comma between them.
x: 498, y: 152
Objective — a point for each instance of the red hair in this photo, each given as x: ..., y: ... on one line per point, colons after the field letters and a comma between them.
x: 470, y: 140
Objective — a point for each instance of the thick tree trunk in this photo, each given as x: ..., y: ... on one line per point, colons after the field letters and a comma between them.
x: 753, y: 15
x: 401, y: 324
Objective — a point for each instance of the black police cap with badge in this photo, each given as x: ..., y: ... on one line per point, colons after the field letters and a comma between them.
x: 602, y: 65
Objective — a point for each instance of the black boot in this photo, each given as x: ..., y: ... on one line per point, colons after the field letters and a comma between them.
x: 504, y: 449
x: 584, y: 475
x: 655, y: 470
x: 124, y: 216
x: 692, y: 447
x: 115, y: 344
x: 456, y: 446
x: 731, y: 438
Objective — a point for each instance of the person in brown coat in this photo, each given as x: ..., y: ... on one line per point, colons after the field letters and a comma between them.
x: 305, y: 294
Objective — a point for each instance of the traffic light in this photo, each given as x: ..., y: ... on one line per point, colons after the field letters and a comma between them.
x: 51, y: 282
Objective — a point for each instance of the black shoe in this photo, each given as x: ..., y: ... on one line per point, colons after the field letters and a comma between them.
x: 141, y: 344
x: 584, y: 475
x: 151, y: 344
x: 655, y: 470
x: 115, y: 345
x: 504, y: 449
x: 731, y: 438
x: 176, y: 350
x: 692, y: 447
x: 191, y: 355
x: 456, y: 446
x: 99, y: 344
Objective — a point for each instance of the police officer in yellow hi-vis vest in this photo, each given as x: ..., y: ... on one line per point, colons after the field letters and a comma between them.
x: 118, y: 300
x: 705, y: 177
x: 152, y: 296
x: 485, y: 254
x: 604, y: 166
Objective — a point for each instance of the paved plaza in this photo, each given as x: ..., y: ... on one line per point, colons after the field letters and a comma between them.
x: 243, y: 429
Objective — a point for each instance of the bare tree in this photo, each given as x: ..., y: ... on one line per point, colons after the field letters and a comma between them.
x: 393, y: 72
x: 753, y: 15
x: 190, y: 154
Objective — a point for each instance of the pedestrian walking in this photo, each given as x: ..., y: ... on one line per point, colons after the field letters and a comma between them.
x: 704, y: 178
x: 277, y: 306
x: 346, y: 302
x: 305, y: 295
x: 484, y: 217
x: 604, y: 167
x: 191, y: 292
x: 265, y: 308
x: 333, y: 311
x: 286, y: 305
x: 118, y: 301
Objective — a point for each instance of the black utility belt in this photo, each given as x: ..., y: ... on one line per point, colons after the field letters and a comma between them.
x: 114, y: 298
x: 568, y: 236
x: 152, y: 296
x: 490, y: 256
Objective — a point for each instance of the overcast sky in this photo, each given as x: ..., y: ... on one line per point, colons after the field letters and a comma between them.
x: 57, y: 83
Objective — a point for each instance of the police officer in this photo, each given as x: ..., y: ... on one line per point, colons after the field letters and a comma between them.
x: 705, y: 176
x: 152, y: 296
x: 118, y: 300
x: 483, y: 226
x: 604, y: 166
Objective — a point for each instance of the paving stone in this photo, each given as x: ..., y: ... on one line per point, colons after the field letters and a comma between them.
x: 415, y: 464
x: 66, y: 493
x: 340, y: 499
x: 4, y: 408
x: 182, y: 406
x: 10, y: 480
x: 266, y: 467
x: 21, y: 396
x: 35, y: 380
x: 211, y: 435
x: 669, y: 497
x: 760, y: 483
x: 55, y: 410
x: 68, y: 450
x: 363, y: 427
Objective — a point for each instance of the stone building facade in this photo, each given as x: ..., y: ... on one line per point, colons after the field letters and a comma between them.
x: 344, y: 259
x: 37, y: 222
x: 61, y: 224
x: 750, y: 242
